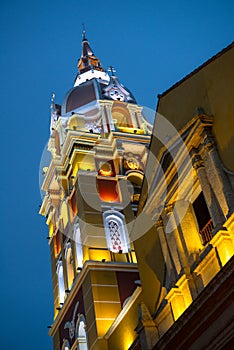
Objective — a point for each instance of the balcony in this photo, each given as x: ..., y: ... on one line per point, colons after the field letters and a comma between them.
x: 206, y: 232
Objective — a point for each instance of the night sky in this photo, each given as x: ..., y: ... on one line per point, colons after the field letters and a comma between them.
x: 151, y: 44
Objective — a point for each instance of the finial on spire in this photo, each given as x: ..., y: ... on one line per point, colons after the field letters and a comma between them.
x: 83, y: 32
x: 53, y: 113
x: 52, y: 100
x: 112, y: 70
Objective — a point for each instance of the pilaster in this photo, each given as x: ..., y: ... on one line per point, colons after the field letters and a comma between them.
x: 221, y: 184
x: 171, y: 272
x: 174, y: 240
x: 211, y: 201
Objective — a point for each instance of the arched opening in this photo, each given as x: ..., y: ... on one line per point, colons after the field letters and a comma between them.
x: 69, y: 265
x: 64, y: 214
x: 135, y: 179
x: 66, y: 345
x: 116, y: 232
x: 60, y: 276
x: 79, y: 249
x: 121, y: 115
x: 81, y: 333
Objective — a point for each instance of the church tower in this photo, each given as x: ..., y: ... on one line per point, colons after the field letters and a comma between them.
x: 98, y: 142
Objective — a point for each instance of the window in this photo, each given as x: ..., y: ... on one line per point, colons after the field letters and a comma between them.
x: 66, y: 345
x: 135, y: 183
x: 79, y: 250
x: 81, y: 333
x: 203, y: 218
x: 60, y: 281
x: 69, y: 264
x: 57, y: 244
x: 116, y: 233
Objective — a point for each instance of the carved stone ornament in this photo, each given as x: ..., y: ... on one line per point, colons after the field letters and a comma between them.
x: 71, y: 325
x: 197, y: 162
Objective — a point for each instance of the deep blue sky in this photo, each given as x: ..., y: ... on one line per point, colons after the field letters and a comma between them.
x: 152, y: 44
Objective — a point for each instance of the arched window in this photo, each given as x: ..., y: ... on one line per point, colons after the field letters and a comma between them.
x: 121, y: 115
x: 81, y: 333
x: 116, y: 232
x: 69, y: 264
x: 60, y: 281
x: 79, y: 250
x: 135, y: 180
x: 66, y: 345
x: 64, y: 214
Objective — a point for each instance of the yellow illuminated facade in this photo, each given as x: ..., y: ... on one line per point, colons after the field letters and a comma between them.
x: 189, y: 195
x: 141, y: 227
x: 99, y: 144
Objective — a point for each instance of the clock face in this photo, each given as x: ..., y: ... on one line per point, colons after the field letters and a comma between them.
x: 116, y: 94
x: 132, y: 163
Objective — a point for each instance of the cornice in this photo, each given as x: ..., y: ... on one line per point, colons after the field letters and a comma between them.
x: 87, y: 267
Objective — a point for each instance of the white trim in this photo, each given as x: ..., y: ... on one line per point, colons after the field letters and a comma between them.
x: 91, y: 74
x: 89, y: 266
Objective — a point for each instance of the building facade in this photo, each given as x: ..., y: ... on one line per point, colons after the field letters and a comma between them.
x: 189, y: 195
x: 141, y: 226
x: 98, y: 142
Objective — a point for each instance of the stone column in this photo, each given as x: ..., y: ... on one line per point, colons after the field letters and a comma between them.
x: 107, y: 121
x: 132, y: 111
x: 189, y: 231
x: 170, y: 266
x: 174, y: 241
x: 146, y: 328
x: 211, y: 201
x: 217, y: 177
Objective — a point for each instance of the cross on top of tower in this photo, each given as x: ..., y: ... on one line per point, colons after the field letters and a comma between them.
x: 112, y: 70
x: 83, y: 32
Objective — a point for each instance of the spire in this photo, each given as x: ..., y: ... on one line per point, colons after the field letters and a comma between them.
x: 53, y: 113
x: 89, y: 66
x: 88, y: 60
x: 83, y: 32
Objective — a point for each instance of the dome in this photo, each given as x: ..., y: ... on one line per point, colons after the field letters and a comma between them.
x: 82, y: 95
x: 92, y: 83
x: 91, y: 91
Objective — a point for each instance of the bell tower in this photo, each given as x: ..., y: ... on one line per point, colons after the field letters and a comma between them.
x: 98, y: 142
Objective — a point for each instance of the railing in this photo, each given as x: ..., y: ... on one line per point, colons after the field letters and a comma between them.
x: 206, y: 232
